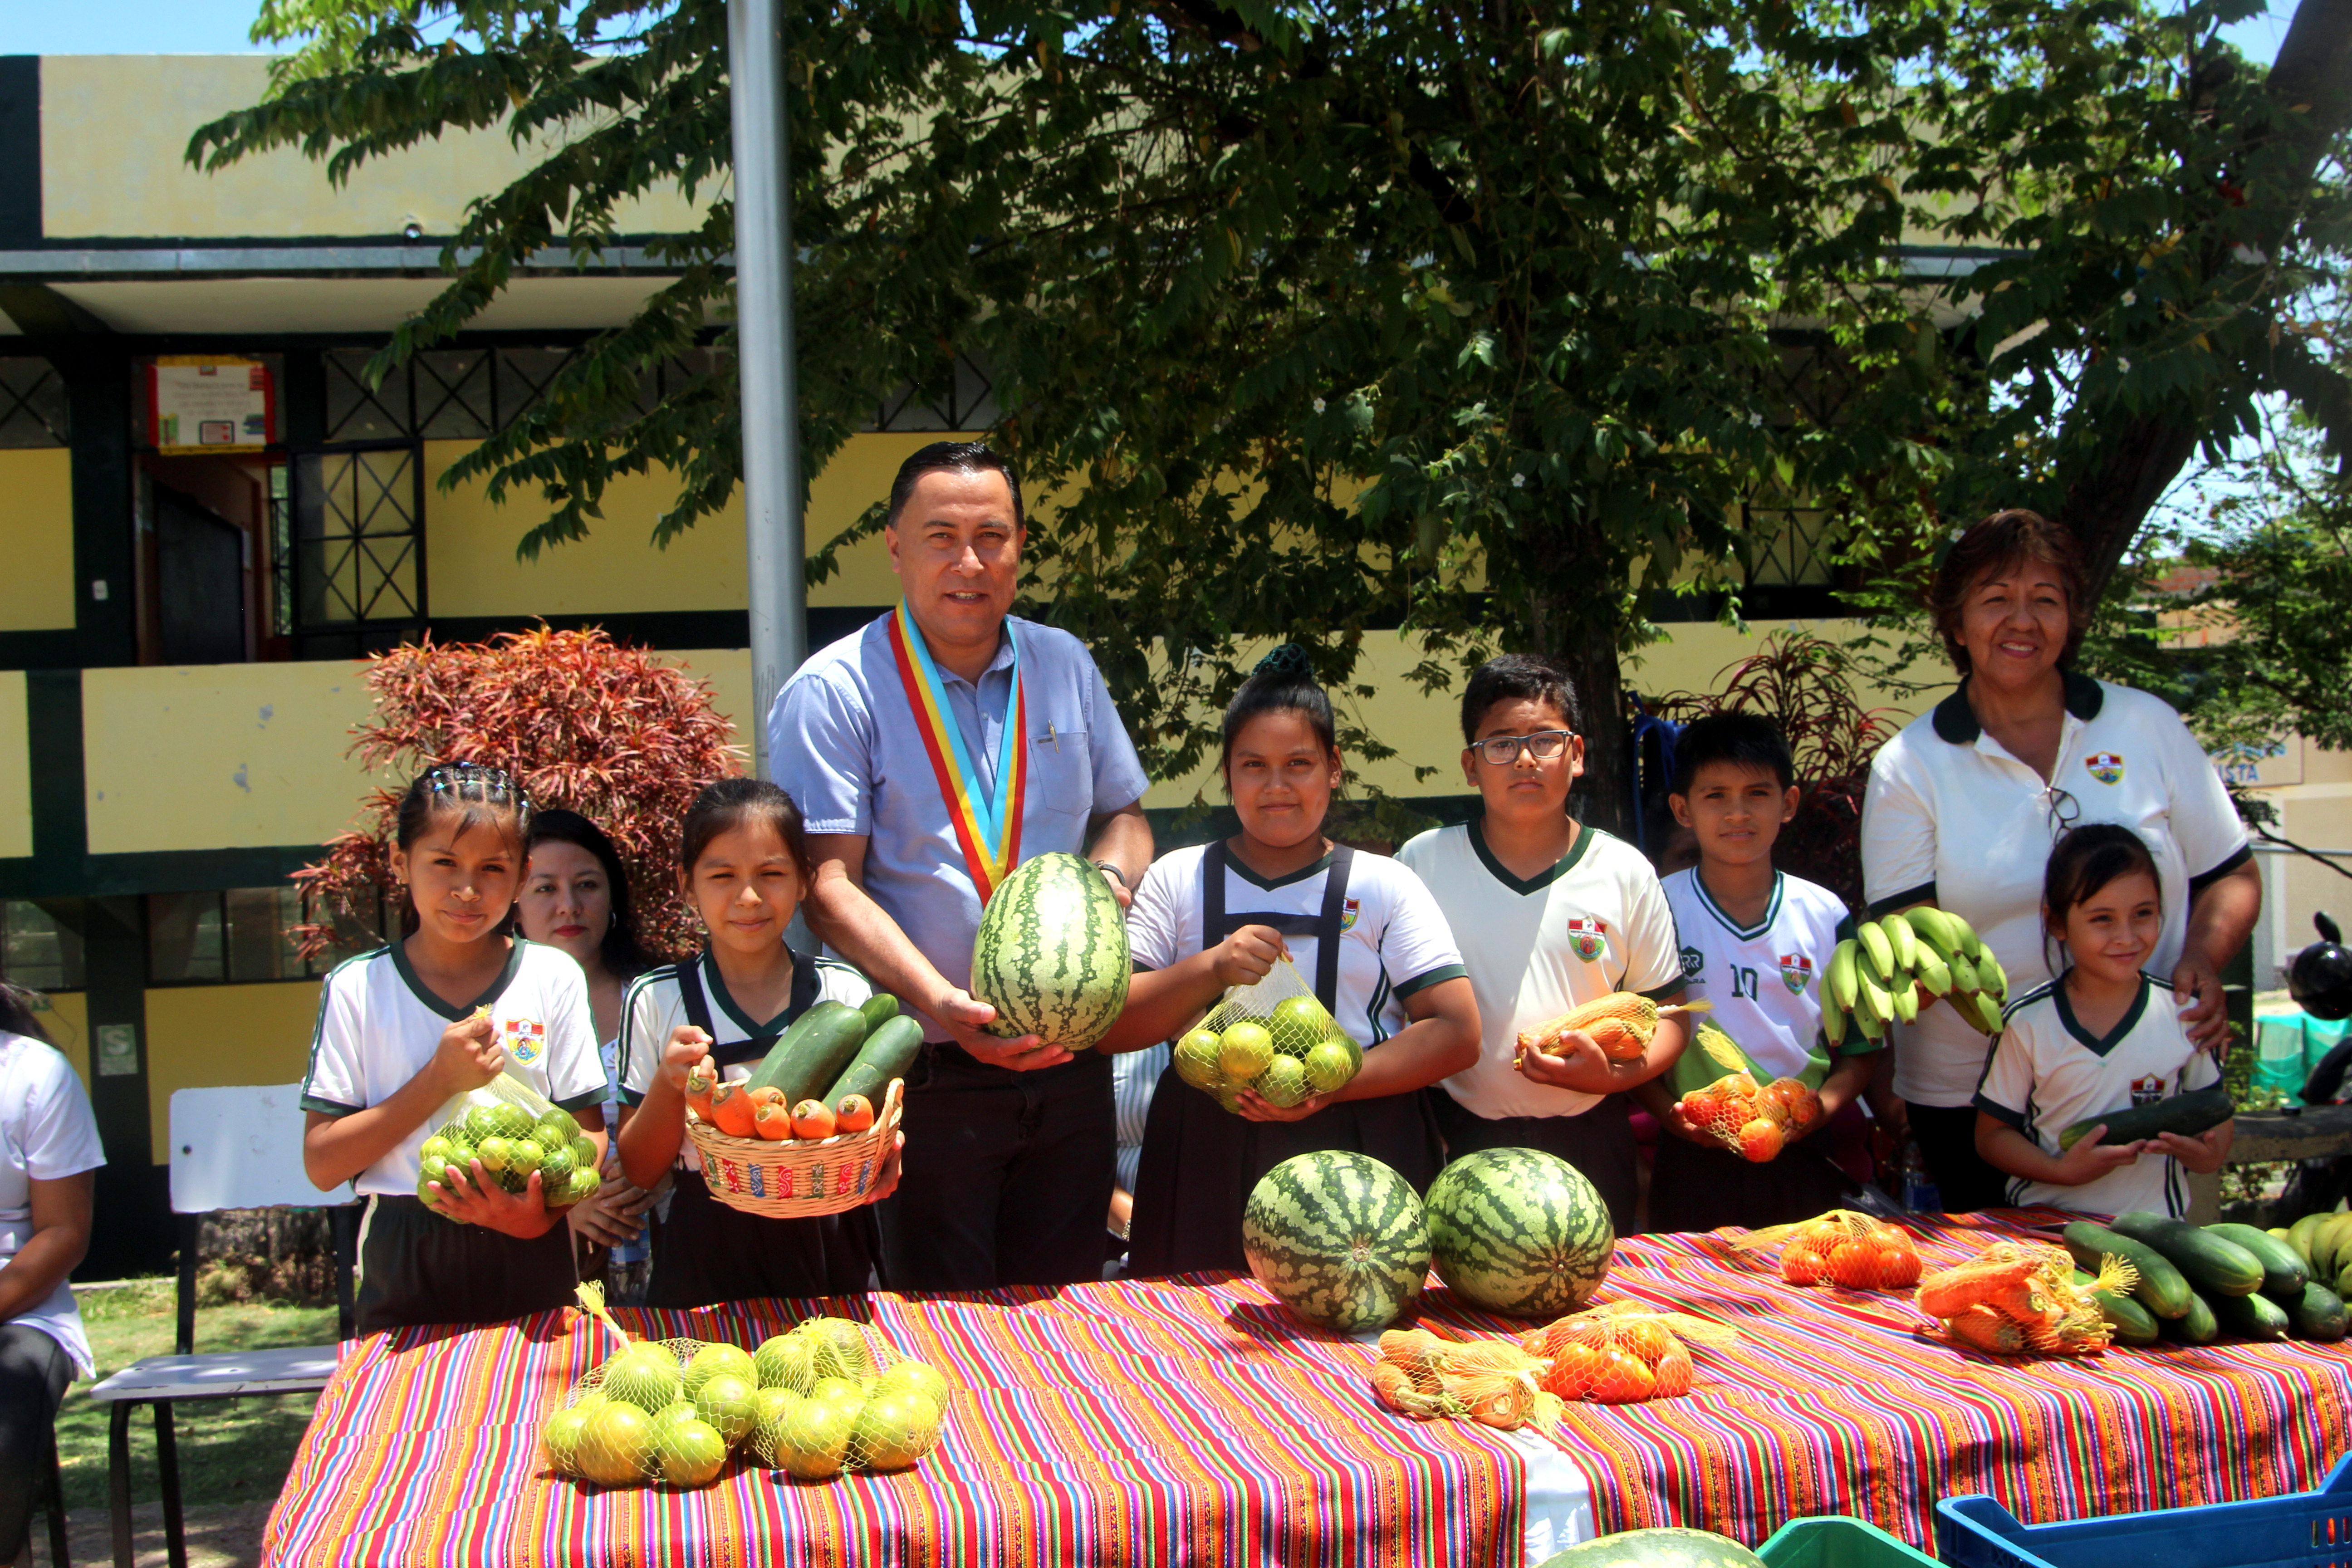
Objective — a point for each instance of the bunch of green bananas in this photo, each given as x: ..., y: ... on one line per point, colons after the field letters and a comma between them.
x: 1876, y: 975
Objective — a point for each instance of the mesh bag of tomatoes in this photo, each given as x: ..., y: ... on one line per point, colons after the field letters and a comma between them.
x: 1843, y: 1247
x: 1756, y: 1121
x: 506, y: 1131
x: 1273, y: 1037
x: 1624, y: 1353
x: 1494, y: 1383
x: 2021, y: 1299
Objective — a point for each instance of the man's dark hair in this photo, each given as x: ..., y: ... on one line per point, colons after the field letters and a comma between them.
x: 952, y: 458
x: 1516, y: 678
x: 1743, y: 740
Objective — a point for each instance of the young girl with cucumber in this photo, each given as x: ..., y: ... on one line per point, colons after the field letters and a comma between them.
x: 1364, y: 934
x: 743, y: 863
x: 2102, y: 1038
x: 457, y: 1000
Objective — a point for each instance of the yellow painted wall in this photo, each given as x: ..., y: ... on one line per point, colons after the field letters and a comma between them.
x: 15, y: 768
x: 36, y: 591
x: 211, y: 1036
x: 228, y: 756
x: 108, y: 172
x: 470, y: 544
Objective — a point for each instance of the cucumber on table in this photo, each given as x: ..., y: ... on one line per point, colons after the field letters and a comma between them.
x: 878, y: 1009
x: 2134, y: 1324
x: 2198, y: 1326
x: 2162, y: 1288
x: 2213, y: 1265
x: 2250, y: 1317
x: 812, y: 1053
x: 887, y: 1054
x: 2200, y: 1110
x: 2284, y: 1273
x: 2319, y: 1315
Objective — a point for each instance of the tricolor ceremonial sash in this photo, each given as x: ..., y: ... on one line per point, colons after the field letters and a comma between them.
x: 987, y: 822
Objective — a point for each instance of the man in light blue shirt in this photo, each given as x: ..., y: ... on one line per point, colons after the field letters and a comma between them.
x: 1010, y: 1144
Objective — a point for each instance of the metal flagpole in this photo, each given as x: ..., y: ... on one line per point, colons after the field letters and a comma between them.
x: 763, y: 327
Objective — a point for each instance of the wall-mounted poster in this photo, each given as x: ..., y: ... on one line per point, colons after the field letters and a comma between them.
x: 209, y: 403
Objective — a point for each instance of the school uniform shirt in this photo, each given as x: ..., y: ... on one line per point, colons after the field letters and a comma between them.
x: 1765, y: 979
x: 1951, y: 818
x: 1393, y: 942
x: 46, y: 1133
x: 378, y: 1026
x: 2048, y: 1072
x: 1134, y: 1075
x: 1595, y: 922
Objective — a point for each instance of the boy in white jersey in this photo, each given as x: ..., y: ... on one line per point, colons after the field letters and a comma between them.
x: 1549, y: 913
x: 1755, y: 942
x: 2102, y: 1038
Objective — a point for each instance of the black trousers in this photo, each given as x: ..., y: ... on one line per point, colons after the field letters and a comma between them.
x: 417, y: 1268
x: 1599, y: 1142
x: 1006, y: 1178
x: 34, y: 1371
x: 1948, y: 1142
x: 1696, y: 1186
x: 705, y: 1252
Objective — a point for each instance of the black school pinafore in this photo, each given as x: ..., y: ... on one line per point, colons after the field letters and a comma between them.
x: 704, y: 1251
x: 1200, y: 1161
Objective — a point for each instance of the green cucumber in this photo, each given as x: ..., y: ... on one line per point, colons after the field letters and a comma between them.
x: 2319, y: 1315
x: 2255, y: 1316
x: 2198, y: 1326
x: 2284, y: 1273
x: 2162, y: 1288
x: 887, y: 1054
x: 2200, y: 1110
x: 2215, y: 1267
x: 812, y: 1053
x: 2134, y: 1324
x: 878, y: 1009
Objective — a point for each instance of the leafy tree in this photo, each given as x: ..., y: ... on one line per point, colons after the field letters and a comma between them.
x: 1479, y: 318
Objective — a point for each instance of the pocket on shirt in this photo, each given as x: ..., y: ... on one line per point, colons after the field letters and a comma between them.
x: 1064, y: 780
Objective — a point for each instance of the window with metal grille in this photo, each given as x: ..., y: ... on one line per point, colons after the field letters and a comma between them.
x: 32, y: 404
x: 359, y: 548
x: 963, y: 397
x: 457, y: 394
x: 237, y: 936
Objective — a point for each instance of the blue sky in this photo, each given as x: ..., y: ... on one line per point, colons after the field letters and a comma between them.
x: 218, y: 27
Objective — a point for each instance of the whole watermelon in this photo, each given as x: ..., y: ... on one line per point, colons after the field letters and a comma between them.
x: 1519, y: 1231
x: 1051, y: 957
x: 1339, y: 1239
x: 1657, y: 1548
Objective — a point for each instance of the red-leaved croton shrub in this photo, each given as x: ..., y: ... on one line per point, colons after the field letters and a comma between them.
x: 612, y: 732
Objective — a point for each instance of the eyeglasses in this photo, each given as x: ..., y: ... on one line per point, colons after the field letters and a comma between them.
x: 2066, y: 811
x: 1543, y: 746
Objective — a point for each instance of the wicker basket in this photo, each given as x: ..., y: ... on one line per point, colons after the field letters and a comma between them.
x: 793, y: 1178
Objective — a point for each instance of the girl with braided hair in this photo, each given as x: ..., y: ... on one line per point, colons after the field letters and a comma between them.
x: 1361, y: 928
x: 454, y: 1002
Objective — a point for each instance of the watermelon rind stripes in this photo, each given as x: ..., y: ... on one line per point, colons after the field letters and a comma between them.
x: 1339, y: 1238
x: 1519, y: 1231
x: 1052, y: 954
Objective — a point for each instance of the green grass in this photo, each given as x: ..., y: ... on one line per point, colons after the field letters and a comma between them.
x: 231, y: 1450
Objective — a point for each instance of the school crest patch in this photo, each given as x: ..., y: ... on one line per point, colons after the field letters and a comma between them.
x: 1348, y: 913
x: 524, y: 1038
x: 2148, y: 1089
x: 1796, y: 971
x: 2106, y: 766
x: 1588, y: 937
x: 1694, y: 961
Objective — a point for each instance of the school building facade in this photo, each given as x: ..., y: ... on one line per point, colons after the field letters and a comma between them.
x: 180, y: 628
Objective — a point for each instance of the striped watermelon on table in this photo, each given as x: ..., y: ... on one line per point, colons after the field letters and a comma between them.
x: 1519, y: 1231
x: 1338, y: 1237
x: 1051, y: 956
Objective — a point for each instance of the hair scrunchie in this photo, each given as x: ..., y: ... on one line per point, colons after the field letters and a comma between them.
x: 1289, y: 661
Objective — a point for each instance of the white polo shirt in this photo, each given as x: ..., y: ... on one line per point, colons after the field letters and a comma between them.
x: 2048, y: 1072
x: 1765, y: 979
x: 46, y: 1133
x: 1595, y: 922
x: 1951, y: 818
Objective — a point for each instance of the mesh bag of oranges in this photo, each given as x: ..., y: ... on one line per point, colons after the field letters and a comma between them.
x: 512, y: 1131
x: 1273, y: 1037
x: 1624, y: 1351
x: 2021, y: 1299
x: 1843, y: 1247
x: 1430, y: 1376
x: 1755, y: 1121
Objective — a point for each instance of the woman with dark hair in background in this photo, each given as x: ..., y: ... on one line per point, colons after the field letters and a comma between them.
x: 576, y: 898
x: 48, y: 1147
x: 1965, y: 803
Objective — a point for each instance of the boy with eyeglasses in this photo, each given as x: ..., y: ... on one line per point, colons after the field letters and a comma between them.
x: 1549, y: 913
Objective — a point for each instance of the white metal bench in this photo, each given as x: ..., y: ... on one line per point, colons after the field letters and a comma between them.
x: 231, y: 1149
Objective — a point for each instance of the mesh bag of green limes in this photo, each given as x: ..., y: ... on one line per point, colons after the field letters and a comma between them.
x: 511, y: 1129
x: 1273, y: 1037
x: 829, y: 1395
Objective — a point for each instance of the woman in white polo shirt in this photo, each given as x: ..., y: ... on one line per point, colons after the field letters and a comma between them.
x: 1965, y: 803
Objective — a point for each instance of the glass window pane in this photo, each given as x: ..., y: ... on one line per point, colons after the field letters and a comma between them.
x: 183, y: 938
x: 353, y: 935
x: 36, y: 949
x: 258, y: 948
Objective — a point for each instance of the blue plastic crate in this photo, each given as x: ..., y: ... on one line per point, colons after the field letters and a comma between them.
x: 1835, y: 1540
x: 2304, y: 1530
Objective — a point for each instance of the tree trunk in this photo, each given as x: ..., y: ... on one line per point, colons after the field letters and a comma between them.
x: 1582, y: 635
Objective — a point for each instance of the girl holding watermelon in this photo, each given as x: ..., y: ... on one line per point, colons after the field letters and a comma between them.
x: 744, y: 865
x: 1361, y: 926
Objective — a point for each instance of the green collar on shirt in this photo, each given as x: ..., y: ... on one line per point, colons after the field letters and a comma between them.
x: 2124, y: 1025
x: 1234, y: 864
x: 498, y: 987
x: 1541, y: 879
x: 1957, y: 722
x: 1745, y: 933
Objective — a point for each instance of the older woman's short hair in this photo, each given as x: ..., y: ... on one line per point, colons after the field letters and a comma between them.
x: 2006, y: 539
